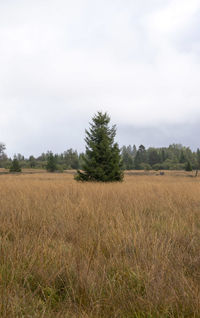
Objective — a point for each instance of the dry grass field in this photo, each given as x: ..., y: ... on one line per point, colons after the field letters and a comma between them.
x: 75, y: 250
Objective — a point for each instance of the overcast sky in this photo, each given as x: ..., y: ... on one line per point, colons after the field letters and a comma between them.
x: 61, y: 61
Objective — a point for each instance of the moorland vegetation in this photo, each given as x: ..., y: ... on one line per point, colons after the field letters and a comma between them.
x: 89, y: 250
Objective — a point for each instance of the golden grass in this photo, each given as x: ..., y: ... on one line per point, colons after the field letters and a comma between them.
x: 77, y: 250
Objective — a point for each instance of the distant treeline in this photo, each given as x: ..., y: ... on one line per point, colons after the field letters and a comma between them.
x: 174, y: 157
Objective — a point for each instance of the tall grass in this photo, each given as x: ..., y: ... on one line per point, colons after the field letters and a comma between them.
x: 128, y: 250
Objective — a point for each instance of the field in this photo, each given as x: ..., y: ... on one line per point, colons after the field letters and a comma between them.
x: 75, y: 250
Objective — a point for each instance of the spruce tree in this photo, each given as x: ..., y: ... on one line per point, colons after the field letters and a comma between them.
x: 102, y: 161
x: 140, y: 157
x: 188, y: 166
x: 15, y: 167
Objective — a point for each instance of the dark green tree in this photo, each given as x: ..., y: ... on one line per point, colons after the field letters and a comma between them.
x: 182, y: 157
x: 163, y: 155
x: 102, y: 161
x: 140, y: 157
x: 188, y: 166
x: 15, y: 167
x: 51, y: 162
x: 153, y: 156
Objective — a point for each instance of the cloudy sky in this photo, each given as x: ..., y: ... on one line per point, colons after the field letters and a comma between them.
x: 62, y: 60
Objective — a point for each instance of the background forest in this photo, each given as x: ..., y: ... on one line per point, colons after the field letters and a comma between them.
x: 173, y: 157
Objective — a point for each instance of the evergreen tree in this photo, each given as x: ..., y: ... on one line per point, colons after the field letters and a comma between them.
x: 140, y: 157
x: 137, y: 161
x: 134, y: 151
x: 182, y: 157
x: 188, y: 166
x: 153, y: 157
x: 163, y: 155
x: 15, y: 167
x: 102, y: 161
x: 51, y: 162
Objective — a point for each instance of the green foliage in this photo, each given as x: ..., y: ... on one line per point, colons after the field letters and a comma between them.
x: 59, y: 168
x: 15, y: 167
x: 81, y: 160
x: 174, y: 157
x: 157, y: 166
x: 71, y: 159
x: 32, y: 162
x: 188, y: 166
x: 153, y: 156
x: 141, y: 157
x: 102, y: 161
x: 51, y: 163
x: 182, y: 157
x: 198, y: 159
x: 145, y: 166
x: 127, y: 154
x: 3, y: 157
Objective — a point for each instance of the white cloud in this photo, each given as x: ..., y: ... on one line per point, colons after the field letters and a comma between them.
x: 61, y: 61
x: 175, y: 16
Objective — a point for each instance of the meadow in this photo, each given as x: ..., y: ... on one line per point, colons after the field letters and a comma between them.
x: 89, y: 250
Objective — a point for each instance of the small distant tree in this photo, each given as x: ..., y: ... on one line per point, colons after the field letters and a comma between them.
x: 15, y: 167
x: 102, y: 161
x: 51, y: 162
x: 188, y: 166
x: 32, y: 161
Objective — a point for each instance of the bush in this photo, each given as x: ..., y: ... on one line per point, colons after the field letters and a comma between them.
x: 145, y: 166
x: 157, y: 166
x: 51, y: 163
x: 15, y: 167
